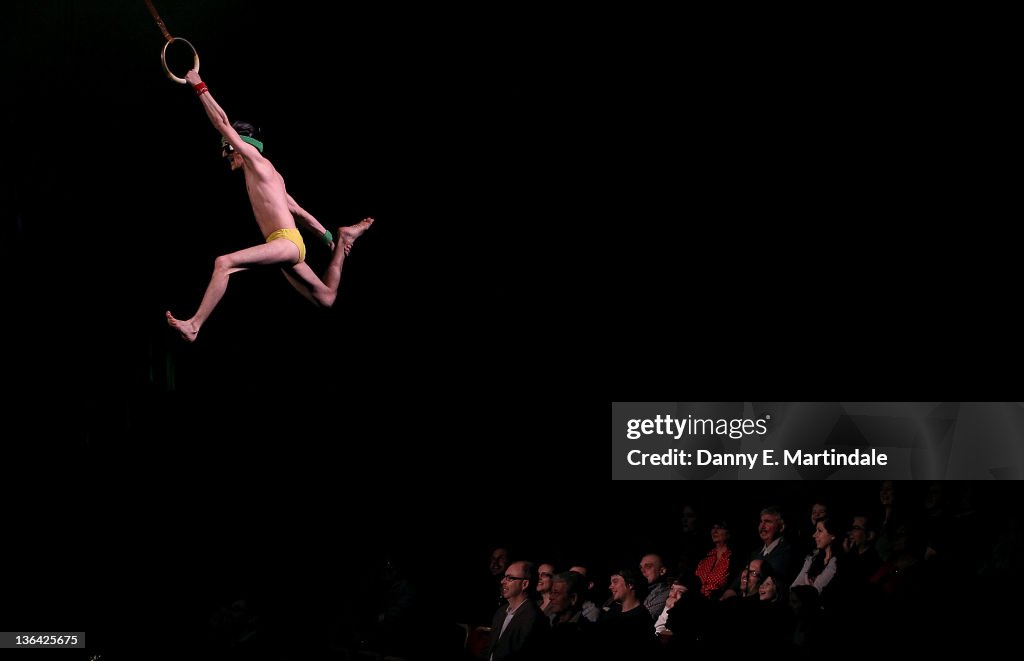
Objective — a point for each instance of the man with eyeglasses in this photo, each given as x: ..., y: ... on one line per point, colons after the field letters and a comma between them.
x: 276, y: 214
x: 750, y: 578
x: 518, y: 629
x: 750, y: 581
x: 860, y: 557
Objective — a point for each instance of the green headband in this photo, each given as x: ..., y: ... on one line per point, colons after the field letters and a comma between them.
x: 252, y: 141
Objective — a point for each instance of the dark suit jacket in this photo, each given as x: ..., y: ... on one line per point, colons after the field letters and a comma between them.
x: 785, y: 561
x: 523, y: 635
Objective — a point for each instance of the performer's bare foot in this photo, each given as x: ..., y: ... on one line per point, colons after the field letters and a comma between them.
x: 188, y: 332
x: 349, y: 234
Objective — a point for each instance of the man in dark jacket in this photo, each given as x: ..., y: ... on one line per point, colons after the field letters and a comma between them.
x: 518, y: 629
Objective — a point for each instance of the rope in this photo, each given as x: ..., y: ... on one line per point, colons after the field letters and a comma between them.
x: 159, y: 21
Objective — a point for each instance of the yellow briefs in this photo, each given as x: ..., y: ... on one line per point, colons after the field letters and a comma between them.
x: 293, y: 236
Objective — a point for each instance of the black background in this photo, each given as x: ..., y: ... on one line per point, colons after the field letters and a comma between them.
x: 568, y: 214
x: 153, y: 478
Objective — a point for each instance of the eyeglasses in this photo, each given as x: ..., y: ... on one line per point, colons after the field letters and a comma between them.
x: 544, y: 574
x: 227, y: 150
x: 506, y: 577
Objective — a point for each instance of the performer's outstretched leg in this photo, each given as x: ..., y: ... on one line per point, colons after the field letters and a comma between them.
x: 275, y: 252
x: 325, y: 292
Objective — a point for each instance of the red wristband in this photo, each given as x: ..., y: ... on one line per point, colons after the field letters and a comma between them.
x: 200, y: 89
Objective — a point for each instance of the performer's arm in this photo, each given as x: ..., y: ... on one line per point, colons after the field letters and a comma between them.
x: 303, y: 217
x: 218, y: 117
